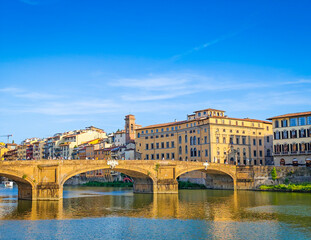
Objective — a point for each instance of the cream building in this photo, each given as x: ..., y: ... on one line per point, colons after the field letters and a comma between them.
x: 292, y: 139
x: 208, y: 135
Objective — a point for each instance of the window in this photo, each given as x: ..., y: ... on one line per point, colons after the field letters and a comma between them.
x: 293, y: 122
x: 146, y: 131
x: 302, y: 121
x: 224, y: 140
x: 191, y: 142
x: 205, y: 129
x: 254, y: 142
x: 277, y: 135
x: 205, y: 140
x: 172, y: 134
x: 186, y: 149
x: 186, y: 139
x: 217, y: 139
x: 199, y: 141
x: 147, y: 146
x: 284, y: 123
x: 199, y: 153
x: 167, y: 156
x: 151, y: 137
x: 152, y: 156
x: 285, y: 134
x: 268, y: 139
x: 243, y: 140
x: 157, y: 136
x: 158, y: 156
x: 142, y: 132
x: 255, y: 153
x: 172, y: 128
x: 237, y: 140
x: 162, y: 156
x: 167, y: 135
x: 147, y: 156
x: 162, y: 130
x: 179, y: 139
x: 276, y: 124
x: 293, y: 134
x: 191, y: 152
x: 199, y: 114
x: 206, y: 153
x: 268, y: 152
x: 260, y: 153
x: 231, y: 139
x: 146, y: 137
x: 309, y: 120
x: 260, y: 142
x: 194, y: 152
x: 152, y: 146
x: 162, y: 144
x: 152, y: 131
x: 167, y: 144
x: 157, y: 145
x: 167, y: 129
x: 302, y: 133
x: 157, y: 130
x: 173, y: 155
x: 138, y: 135
x: 194, y: 140
x: 180, y: 150
x: 172, y: 144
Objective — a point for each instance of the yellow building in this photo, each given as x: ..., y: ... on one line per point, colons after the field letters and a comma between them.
x: 208, y: 135
x: 292, y: 139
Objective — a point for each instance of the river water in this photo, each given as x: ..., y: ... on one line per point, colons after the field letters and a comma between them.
x: 115, y: 213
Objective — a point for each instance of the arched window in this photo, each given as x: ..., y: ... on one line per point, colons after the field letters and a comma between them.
x: 194, y: 152
x: 191, y: 152
x: 186, y: 139
x: 191, y: 141
x: 285, y: 134
x: 179, y: 139
x: 194, y: 140
x: 138, y: 135
x: 294, y: 147
x: 180, y: 150
x: 276, y: 124
x: 285, y: 148
x: 302, y: 133
x: 277, y: 135
x: 293, y: 133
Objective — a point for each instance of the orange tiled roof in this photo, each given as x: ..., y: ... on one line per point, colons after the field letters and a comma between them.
x: 291, y: 115
x: 164, y: 124
x: 209, y: 109
x: 243, y: 119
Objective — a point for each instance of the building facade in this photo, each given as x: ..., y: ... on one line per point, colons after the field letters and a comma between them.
x: 208, y: 135
x: 292, y: 139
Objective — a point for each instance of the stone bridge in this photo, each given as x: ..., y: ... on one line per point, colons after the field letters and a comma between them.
x: 44, y: 179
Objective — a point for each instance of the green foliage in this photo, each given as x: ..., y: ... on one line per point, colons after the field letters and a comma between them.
x: 148, y: 173
x: 286, y: 181
x: 274, y: 174
x: 157, y: 166
x: 24, y: 176
x: 304, y: 187
x: 109, y: 184
x: 189, y: 185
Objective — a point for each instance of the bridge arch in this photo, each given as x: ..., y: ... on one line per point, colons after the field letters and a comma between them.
x: 143, y: 180
x: 228, y: 178
x: 24, y: 183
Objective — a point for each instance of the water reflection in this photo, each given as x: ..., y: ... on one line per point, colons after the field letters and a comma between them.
x: 212, y: 205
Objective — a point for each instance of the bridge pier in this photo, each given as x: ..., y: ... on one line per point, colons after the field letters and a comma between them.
x: 143, y: 185
x: 49, y: 192
x: 166, y: 186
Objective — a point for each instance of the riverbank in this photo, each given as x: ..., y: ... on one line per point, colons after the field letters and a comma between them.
x: 108, y: 184
x: 304, y: 187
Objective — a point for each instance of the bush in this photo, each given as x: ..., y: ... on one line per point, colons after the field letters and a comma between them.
x: 274, y: 174
x: 304, y: 187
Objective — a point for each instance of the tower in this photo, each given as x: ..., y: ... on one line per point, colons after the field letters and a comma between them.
x: 129, y: 128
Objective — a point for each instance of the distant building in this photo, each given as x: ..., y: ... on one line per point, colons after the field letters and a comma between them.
x: 208, y: 135
x: 292, y: 139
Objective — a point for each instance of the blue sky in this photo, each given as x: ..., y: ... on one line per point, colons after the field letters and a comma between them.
x: 68, y: 64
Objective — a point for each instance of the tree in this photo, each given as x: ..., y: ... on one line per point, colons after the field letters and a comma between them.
x: 274, y: 174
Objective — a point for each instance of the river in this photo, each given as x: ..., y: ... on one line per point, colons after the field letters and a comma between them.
x: 115, y: 213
